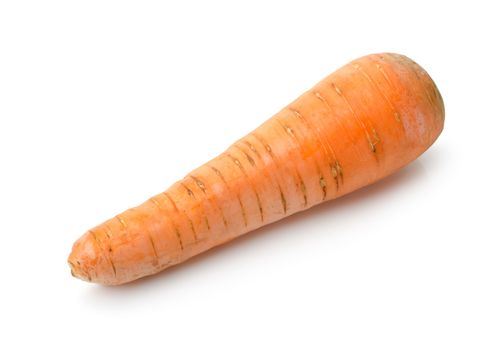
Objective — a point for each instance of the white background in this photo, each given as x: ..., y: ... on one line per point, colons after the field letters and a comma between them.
x: 106, y: 103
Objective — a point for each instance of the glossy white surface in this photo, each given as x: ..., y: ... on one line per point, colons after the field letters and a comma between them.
x: 105, y: 103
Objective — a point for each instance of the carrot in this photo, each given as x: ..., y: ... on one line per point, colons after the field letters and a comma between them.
x: 356, y: 126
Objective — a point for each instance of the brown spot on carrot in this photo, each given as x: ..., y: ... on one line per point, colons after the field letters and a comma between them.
x: 199, y: 183
x: 207, y: 222
x: 217, y: 172
x: 78, y: 263
x: 303, y: 189
x: 284, y: 203
x: 249, y: 158
x: 260, y: 208
x: 375, y: 142
x: 397, y: 116
x: 252, y: 148
x: 223, y: 217
x: 189, y: 191
x: 323, y: 185
x: 337, y: 173
x: 177, y: 232
x: 220, y: 175
x: 372, y: 146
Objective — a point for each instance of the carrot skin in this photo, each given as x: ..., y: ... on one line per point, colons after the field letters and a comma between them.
x: 361, y: 123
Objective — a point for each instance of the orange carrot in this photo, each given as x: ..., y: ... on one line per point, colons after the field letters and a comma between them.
x: 356, y: 126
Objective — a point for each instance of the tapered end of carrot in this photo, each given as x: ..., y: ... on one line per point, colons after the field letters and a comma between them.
x: 87, y: 262
x: 416, y: 100
x: 423, y: 102
x: 123, y: 256
x: 82, y: 259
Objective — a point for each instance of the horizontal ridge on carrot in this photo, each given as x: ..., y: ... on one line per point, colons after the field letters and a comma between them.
x: 361, y: 123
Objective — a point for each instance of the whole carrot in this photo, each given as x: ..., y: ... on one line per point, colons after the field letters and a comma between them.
x: 356, y: 126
